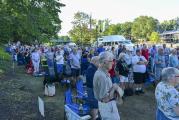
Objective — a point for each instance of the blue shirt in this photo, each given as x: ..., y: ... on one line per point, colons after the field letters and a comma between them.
x: 173, y: 61
x: 101, y: 49
x: 161, y: 59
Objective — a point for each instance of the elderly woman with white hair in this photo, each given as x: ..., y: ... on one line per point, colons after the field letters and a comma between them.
x: 104, y: 91
x: 167, y: 96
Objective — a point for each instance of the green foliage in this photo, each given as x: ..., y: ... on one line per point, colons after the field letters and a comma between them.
x: 86, y: 30
x: 4, y: 55
x: 126, y: 29
x: 143, y: 26
x: 64, y: 38
x: 4, y: 60
x: 154, y: 37
x: 81, y: 33
x: 168, y: 25
x: 113, y: 29
x: 29, y: 20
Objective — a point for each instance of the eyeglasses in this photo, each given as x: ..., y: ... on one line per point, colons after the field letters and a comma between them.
x: 109, y: 60
x: 176, y: 75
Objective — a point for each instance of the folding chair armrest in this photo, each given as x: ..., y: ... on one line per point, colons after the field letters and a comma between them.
x: 80, y: 93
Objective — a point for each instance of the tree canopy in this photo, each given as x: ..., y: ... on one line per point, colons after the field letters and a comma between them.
x: 29, y: 20
x: 83, y: 28
x: 154, y: 37
x: 143, y: 26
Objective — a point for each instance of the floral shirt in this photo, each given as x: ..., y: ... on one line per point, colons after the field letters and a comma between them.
x: 167, y: 98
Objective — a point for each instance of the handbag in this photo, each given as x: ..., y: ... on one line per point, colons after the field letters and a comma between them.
x: 50, y: 90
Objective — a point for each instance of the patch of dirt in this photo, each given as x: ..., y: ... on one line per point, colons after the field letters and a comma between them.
x: 19, y: 94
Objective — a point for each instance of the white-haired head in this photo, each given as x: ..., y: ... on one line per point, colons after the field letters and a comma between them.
x: 169, y: 74
x: 95, y: 60
x: 121, y: 56
x: 106, y: 59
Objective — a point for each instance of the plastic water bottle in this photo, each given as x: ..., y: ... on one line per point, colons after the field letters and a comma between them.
x: 81, y: 109
x: 86, y: 94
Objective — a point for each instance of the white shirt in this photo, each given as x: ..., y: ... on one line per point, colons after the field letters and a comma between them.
x: 59, y: 59
x: 36, y: 56
x: 128, y: 59
x: 136, y: 67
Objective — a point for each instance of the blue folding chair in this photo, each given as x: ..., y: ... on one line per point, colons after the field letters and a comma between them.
x: 74, y: 106
x: 81, y: 93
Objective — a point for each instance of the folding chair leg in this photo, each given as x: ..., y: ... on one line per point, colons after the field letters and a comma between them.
x: 65, y: 115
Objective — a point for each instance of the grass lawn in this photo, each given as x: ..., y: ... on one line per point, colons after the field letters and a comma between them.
x: 4, y: 60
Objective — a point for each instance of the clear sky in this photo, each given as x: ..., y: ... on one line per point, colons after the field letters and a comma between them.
x: 118, y: 11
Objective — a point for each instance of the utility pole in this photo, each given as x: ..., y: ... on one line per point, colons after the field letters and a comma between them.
x: 97, y: 34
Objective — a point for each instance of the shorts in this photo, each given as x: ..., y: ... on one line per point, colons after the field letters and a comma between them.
x: 59, y: 68
x: 75, y: 72
x: 139, y: 78
x: 123, y: 78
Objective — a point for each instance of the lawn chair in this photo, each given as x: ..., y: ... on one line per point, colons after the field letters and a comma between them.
x: 71, y: 115
x: 81, y: 92
x: 74, y: 106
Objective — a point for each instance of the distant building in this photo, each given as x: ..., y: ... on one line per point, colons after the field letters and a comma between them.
x: 170, y: 36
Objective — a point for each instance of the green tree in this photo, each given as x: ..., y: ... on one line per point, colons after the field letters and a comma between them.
x: 155, y: 37
x: 113, y: 29
x: 143, y: 26
x: 168, y: 25
x: 64, y: 38
x: 29, y: 20
x: 126, y: 29
x: 81, y: 32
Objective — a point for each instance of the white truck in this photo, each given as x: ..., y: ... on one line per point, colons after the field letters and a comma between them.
x: 114, y: 41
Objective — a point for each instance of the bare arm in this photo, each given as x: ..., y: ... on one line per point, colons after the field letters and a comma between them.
x: 176, y: 110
